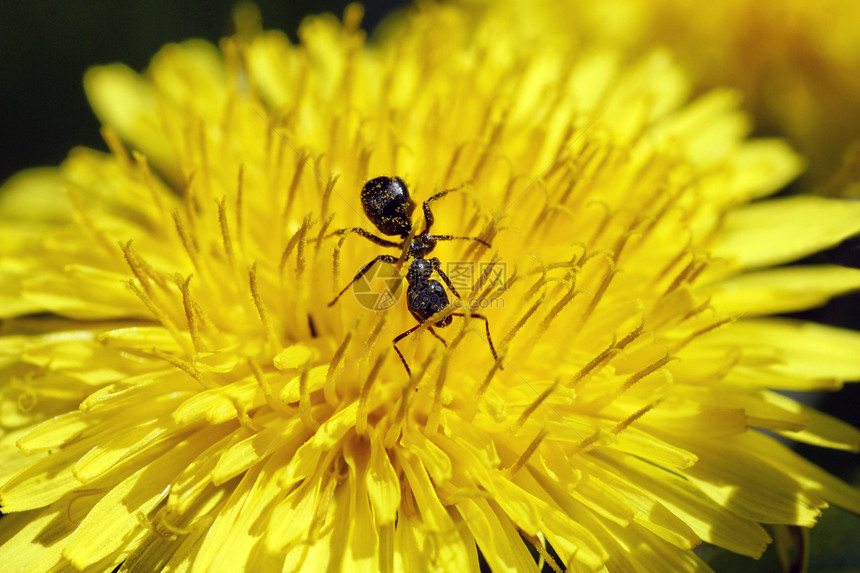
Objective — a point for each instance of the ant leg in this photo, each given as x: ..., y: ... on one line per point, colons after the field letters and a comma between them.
x: 428, y: 216
x: 453, y: 238
x: 434, y: 333
x: 437, y: 266
x: 400, y: 337
x: 381, y: 258
x: 487, y: 325
x: 367, y: 235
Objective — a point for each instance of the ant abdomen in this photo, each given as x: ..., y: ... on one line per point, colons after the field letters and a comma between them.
x: 427, y: 299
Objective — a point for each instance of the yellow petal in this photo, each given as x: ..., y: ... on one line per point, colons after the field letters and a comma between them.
x: 294, y: 356
x: 655, y: 555
x: 45, y: 481
x: 316, y: 380
x: 225, y: 531
x: 35, y: 541
x: 165, y: 554
x: 36, y: 195
x: 151, y: 388
x: 433, y: 513
x: 707, y: 128
x: 124, y: 101
x: 454, y: 548
x: 750, y: 486
x: 796, y: 348
x: 109, y: 451
x: 53, y: 433
x: 328, y: 549
x: 710, y: 521
x: 478, y: 442
x: 815, y: 479
x: 437, y: 462
x: 231, y: 539
x: 383, y: 485
x: 562, y: 524
x: 120, y: 195
x: 196, y: 478
x: 596, y: 494
x: 192, y: 76
x: 643, y: 444
x: 762, y: 167
x: 500, y: 543
x: 362, y: 545
x: 77, y: 353
x: 245, y: 453
x: 108, y: 526
x: 782, y: 290
x: 303, y: 464
x: 655, y: 517
x: 782, y: 230
x: 85, y: 293
x: 825, y: 431
x: 12, y: 460
x: 291, y: 516
x: 220, y: 404
x: 141, y: 338
x: 410, y: 543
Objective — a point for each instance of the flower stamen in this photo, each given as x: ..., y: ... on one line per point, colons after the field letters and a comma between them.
x: 614, y: 348
x: 225, y: 231
x: 305, y: 401
x: 262, y: 311
x: 186, y: 367
x: 87, y: 221
x: 361, y: 414
x: 610, y: 273
x: 623, y: 424
x: 402, y: 404
x: 190, y: 316
x: 274, y: 402
x: 524, y: 457
x: 535, y: 542
x: 534, y: 406
x: 160, y: 315
x: 694, y: 335
x: 292, y: 244
x: 330, y: 391
x: 650, y: 369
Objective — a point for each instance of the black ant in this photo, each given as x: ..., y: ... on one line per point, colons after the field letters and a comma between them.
x: 387, y: 204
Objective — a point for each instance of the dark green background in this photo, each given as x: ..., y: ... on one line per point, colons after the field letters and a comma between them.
x: 45, y: 47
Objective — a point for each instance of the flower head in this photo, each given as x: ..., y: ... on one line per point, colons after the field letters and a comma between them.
x: 793, y: 61
x: 178, y: 393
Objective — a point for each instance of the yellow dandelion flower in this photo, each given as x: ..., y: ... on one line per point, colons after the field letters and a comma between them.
x: 179, y: 394
x: 794, y: 61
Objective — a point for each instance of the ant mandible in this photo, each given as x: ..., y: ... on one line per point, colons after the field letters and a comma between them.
x: 387, y: 204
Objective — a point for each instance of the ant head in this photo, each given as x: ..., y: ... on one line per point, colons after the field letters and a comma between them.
x: 387, y: 204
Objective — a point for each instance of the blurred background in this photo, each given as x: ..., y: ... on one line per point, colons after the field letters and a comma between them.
x: 47, y: 45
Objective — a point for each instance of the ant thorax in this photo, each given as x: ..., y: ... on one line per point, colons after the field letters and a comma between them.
x: 421, y: 245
